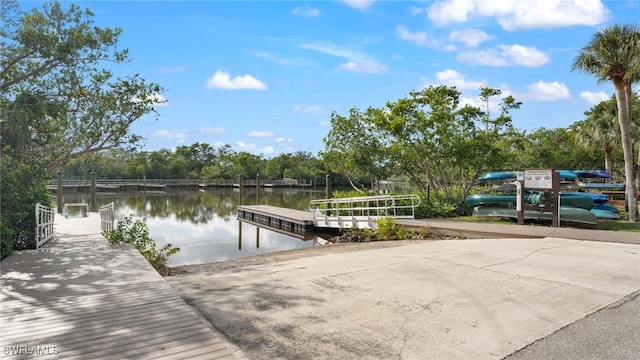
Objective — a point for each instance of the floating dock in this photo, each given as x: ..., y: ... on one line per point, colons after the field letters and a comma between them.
x: 280, y: 219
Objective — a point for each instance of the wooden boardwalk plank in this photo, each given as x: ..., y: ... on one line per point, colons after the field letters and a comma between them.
x: 81, y: 298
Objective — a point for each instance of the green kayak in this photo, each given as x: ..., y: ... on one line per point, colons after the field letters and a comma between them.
x: 573, y: 199
x: 567, y: 213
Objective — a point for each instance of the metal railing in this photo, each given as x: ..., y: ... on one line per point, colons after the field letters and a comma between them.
x: 44, y: 224
x: 107, y: 217
x: 362, y: 212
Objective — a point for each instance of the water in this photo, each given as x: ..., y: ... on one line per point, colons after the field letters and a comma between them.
x: 204, y: 225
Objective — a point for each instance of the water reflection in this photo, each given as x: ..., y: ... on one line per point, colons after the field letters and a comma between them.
x: 204, y: 224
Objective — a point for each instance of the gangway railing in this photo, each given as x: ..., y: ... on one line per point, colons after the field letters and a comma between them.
x: 107, y: 217
x: 362, y: 212
x: 44, y: 224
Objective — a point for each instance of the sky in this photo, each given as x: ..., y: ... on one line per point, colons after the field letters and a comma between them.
x: 265, y: 76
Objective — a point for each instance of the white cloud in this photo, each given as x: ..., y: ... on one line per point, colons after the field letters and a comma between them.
x: 521, y: 14
x: 453, y: 78
x: 260, y: 134
x: 470, y: 37
x: 243, y: 146
x: 594, y: 98
x: 282, y: 140
x: 358, y: 4
x: 214, y: 131
x: 306, y: 10
x: 267, y: 150
x: 314, y: 109
x: 547, y: 91
x: 422, y: 39
x: 180, y: 135
x: 324, y: 124
x: 506, y: 55
x: 416, y: 10
x: 369, y: 67
x: 357, y: 61
x: 222, y: 80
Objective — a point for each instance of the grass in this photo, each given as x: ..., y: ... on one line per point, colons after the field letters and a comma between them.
x: 619, y: 225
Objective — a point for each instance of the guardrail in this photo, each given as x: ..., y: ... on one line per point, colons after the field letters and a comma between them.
x: 362, y: 212
x: 44, y: 224
x: 107, y: 217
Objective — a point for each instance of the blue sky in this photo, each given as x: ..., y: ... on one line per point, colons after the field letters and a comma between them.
x: 265, y: 76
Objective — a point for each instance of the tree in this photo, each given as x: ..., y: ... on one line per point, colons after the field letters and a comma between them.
x: 613, y: 54
x: 55, y: 59
x: 355, y: 148
x: 601, y: 128
x: 427, y: 137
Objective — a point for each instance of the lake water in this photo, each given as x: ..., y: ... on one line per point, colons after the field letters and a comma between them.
x: 204, y: 224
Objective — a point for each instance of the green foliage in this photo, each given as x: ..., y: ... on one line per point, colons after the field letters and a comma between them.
x: 436, y: 206
x: 22, y: 186
x: 136, y: 233
x: 387, y: 228
x: 58, y: 101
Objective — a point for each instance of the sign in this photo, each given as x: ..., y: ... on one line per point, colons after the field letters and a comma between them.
x: 538, y: 179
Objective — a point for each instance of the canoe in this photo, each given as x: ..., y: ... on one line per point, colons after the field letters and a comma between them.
x: 605, y: 214
x: 602, y: 186
x: 592, y: 174
x: 498, y: 175
x: 597, y: 198
x: 567, y: 214
x: 573, y: 199
x: 507, y: 175
x: 509, y: 187
x: 601, y: 206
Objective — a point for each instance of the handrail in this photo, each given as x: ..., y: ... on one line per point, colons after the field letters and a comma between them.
x: 44, y: 224
x: 107, y: 217
x: 362, y: 211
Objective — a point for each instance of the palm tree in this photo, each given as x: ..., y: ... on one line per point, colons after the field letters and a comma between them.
x: 613, y: 54
x: 600, y: 128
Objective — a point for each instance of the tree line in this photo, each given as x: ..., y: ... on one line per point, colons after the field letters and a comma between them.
x: 61, y: 108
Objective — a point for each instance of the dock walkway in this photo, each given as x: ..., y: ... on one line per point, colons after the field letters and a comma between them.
x: 80, y: 298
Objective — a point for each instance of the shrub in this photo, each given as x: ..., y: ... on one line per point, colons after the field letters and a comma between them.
x: 22, y: 186
x: 136, y: 233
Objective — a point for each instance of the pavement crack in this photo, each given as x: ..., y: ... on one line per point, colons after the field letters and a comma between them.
x: 521, y: 258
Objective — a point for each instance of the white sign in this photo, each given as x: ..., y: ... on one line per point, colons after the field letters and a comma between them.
x: 538, y: 179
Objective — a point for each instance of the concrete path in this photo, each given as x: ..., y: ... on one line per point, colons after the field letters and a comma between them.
x: 448, y: 299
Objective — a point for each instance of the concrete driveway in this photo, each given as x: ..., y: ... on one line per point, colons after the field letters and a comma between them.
x: 446, y: 299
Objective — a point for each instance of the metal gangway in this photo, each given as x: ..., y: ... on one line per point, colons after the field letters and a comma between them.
x: 362, y: 212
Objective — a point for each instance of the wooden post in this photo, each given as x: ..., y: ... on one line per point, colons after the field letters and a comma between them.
x: 257, y: 189
x: 239, y: 189
x: 328, y: 186
x: 60, y: 194
x: 257, y: 237
x: 239, y: 235
x: 93, y: 192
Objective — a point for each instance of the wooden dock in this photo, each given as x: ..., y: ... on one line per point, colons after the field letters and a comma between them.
x: 287, y: 221
x: 80, y: 298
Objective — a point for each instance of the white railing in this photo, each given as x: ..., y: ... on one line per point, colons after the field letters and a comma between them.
x: 362, y: 212
x: 44, y: 224
x: 107, y: 217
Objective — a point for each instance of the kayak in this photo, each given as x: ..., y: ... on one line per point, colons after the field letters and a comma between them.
x: 605, y: 214
x: 602, y: 186
x: 592, y: 174
x: 602, y: 206
x: 567, y: 214
x: 597, y: 198
x: 566, y: 199
x: 508, y: 175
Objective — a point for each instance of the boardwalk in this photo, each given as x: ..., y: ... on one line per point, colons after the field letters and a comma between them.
x: 81, y: 298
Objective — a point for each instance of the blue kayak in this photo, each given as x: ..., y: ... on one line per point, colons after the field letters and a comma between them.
x: 602, y: 206
x: 597, y: 198
x: 592, y: 174
x: 512, y: 175
x: 605, y: 214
